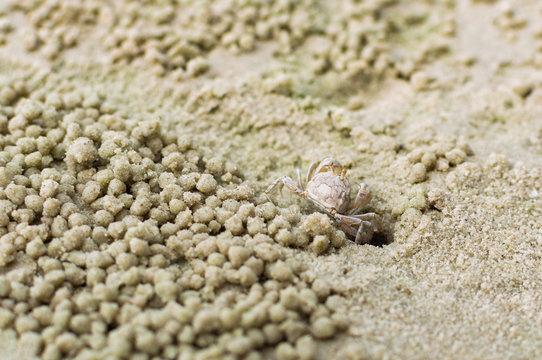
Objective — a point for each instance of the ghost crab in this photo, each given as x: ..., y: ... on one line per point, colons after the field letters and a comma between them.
x: 328, y: 188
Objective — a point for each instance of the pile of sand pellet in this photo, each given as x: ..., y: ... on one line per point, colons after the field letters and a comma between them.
x: 166, y: 38
x: 121, y: 239
x: 136, y: 139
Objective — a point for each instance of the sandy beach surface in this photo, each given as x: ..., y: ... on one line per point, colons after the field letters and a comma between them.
x: 137, y: 139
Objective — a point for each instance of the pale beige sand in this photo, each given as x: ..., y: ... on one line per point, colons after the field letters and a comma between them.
x: 436, y: 107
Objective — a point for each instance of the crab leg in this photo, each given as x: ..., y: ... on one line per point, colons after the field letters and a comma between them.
x: 323, y: 164
x: 348, y: 219
x: 299, y: 183
x: 362, y: 198
x: 365, y: 232
x: 283, y: 181
x: 366, y: 216
x: 355, y: 226
x: 311, y: 171
x: 328, y: 163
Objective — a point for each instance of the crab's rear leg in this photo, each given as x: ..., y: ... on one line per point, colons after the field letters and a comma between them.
x: 367, y: 216
x: 357, y: 226
x: 331, y: 165
x: 299, y: 183
x: 313, y: 167
x: 365, y: 232
x: 363, y: 197
x: 284, y: 181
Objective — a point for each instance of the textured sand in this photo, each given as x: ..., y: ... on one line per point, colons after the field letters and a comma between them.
x: 436, y: 107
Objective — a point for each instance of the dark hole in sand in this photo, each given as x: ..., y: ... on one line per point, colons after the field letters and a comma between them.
x: 385, y: 235
x: 380, y: 239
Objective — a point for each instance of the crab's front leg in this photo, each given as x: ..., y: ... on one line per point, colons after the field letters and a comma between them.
x: 284, y: 181
x: 363, y: 197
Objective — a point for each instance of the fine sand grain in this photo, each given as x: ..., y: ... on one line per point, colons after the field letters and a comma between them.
x: 136, y: 139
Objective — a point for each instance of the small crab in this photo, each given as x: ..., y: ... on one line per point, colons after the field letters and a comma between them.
x: 328, y: 188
